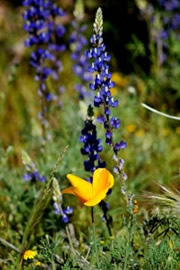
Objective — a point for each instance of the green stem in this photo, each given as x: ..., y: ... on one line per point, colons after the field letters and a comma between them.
x: 126, y: 253
x: 129, y: 240
x: 36, y: 215
x: 38, y: 210
x: 106, y: 219
x: 70, y: 241
x: 95, y: 248
x: 53, y: 265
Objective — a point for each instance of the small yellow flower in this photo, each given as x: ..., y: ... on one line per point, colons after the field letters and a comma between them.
x: 101, y: 242
x: 135, y: 209
x: 119, y: 79
x: 140, y: 133
x: 38, y: 263
x: 178, y: 130
x: 91, y: 193
x: 114, y: 91
x: 131, y: 128
x: 29, y: 254
x: 140, y: 86
x: 165, y: 132
x: 170, y: 243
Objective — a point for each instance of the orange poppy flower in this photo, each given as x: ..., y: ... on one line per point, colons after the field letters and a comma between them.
x: 91, y: 193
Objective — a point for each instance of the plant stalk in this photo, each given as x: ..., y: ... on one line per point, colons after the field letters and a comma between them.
x: 95, y: 248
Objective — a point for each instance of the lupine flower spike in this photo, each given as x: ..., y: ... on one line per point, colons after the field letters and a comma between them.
x: 31, y: 174
x: 78, y: 44
x: 103, y: 98
x: 90, y: 194
x: 92, y: 144
x: 57, y: 198
x: 45, y: 35
x: 163, y: 23
x: 170, y: 23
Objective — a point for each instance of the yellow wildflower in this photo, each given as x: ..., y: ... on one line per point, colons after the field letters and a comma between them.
x: 131, y: 128
x: 91, y: 193
x: 165, y: 132
x: 140, y: 86
x: 178, y: 130
x: 135, y: 209
x: 101, y: 242
x: 119, y: 79
x: 38, y: 263
x: 29, y: 254
x: 114, y: 91
x: 140, y: 133
x: 170, y: 243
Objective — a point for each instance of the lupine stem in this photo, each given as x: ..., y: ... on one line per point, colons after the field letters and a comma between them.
x: 95, y: 247
x: 107, y: 222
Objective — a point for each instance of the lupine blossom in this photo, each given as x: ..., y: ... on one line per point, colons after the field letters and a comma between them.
x: 78, y: 44
x: 102, y: 84
x: 45, y: 35
x: 92, y: 145
x: 64, y: 213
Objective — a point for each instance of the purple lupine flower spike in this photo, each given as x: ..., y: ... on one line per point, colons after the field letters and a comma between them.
x: 163, y: 24
x: 59, y: 210
x: 45, y: 35
x: 31, y: 172
x: 92, y: 145
x: 78, y: 44
x: 102, y: 85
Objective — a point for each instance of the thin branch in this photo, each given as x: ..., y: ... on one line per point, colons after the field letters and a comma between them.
x: 160, y: 113
x: 6, y: 243
x: 4, y: 260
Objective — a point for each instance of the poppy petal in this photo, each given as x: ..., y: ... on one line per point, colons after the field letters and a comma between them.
x: 69, y: 190
x: 82, y: 189
x: 97, y: 198
x: 102, y: 179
